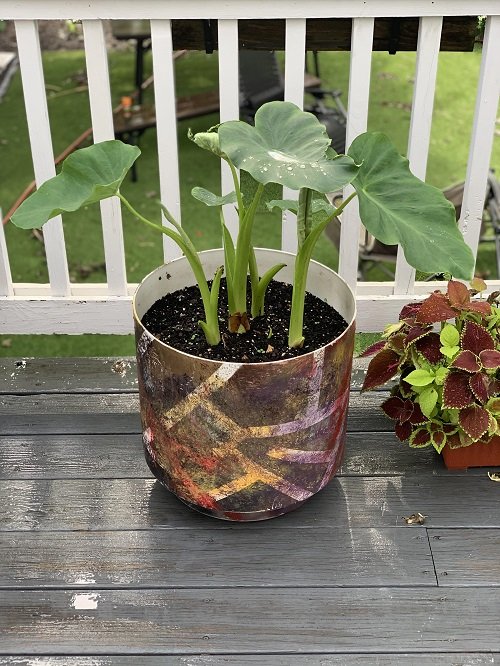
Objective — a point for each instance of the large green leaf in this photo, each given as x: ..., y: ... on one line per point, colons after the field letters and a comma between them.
x: 88, y: 175
x: 287, y: 146
x: 397, y: 207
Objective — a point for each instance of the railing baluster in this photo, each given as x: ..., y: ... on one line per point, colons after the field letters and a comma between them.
x: 102, y: 122
x: 166, y: 125
x: 357, y: 118
x: 482, y: 135
x: 295, y: 50
x: 229, y: 102
x: 30, y: 59
x: 6, y: 288
x: 429, y: 37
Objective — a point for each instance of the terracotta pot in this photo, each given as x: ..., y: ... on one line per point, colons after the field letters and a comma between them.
x: 243, y: 441
x: 476, y: 455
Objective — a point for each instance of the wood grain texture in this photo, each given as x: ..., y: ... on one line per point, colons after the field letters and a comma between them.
x: 467, y: 556
x: 122, y: 504
x: 396, y: 659
x: 207, y: 558
x: 65, y: 413
x: 180, y: 621
x: 68, y: 375
x: 121, y: 456
x: 91, y: 375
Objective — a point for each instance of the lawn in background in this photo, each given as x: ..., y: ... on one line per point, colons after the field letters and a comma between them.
x: 392, y: 87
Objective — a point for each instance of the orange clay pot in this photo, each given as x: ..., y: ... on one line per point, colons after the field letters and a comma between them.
x: 476, y: 455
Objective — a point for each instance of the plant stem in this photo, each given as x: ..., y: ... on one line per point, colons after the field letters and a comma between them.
x: 242, y: 255
x: 302, y: 260
x: 303, y: 215
x: 211, y: 327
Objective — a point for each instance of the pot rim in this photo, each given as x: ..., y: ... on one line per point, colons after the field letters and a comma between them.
x: 218, y: 362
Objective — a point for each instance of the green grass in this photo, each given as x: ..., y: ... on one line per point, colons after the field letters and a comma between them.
x: 69, y: 115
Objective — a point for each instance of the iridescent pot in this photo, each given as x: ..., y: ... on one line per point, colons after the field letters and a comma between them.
x: 244, y: 441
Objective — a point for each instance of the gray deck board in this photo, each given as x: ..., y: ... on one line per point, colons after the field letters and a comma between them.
x: 235, y: 620
x: 95, y: 456
x: 208, y: 558
x: 106, y: 504
x: 466, y: 557
x: 101, y: 566
x: 420, y: 659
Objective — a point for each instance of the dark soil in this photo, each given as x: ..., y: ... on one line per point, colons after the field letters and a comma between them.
x: 174, y: 320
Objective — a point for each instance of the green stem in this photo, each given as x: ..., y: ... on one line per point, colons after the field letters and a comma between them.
x: 242, y: 254
x: 254, y: 282
x: 236, y: 182
x: 303, y: 215
x: 211, y: 328
x: 302, y: 260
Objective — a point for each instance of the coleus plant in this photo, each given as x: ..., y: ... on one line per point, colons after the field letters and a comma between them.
x: 448, y: 390
x: 289, y: 147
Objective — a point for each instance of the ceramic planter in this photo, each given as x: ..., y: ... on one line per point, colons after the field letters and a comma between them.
x: 243, y: 441
x: 476, y: 455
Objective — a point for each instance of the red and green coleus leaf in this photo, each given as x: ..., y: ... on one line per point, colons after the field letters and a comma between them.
x: 416, y: 333
x: 438, y: 440
x: 430, y: 347
x: 382, y: 368
x: 420, y: 438
x: 418, y: 417
x: 398, y: 409
x: 435, y: 308
x: 409, y: 311
x: 397, y: 343
x: 373, y: 348
x: 390, y: 329
x: 467, y: 361
x: 457, y: 393
x: 474, y: 421
x: 479, y: 384
x: 490, y: 358
x: 458, y: 294
x: 476, y: 338
x: 403, y: 430
x: 460, y: 297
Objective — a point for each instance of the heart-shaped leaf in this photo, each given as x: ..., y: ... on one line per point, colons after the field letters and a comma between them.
x: 467, y: 361
x: 479, y: 384
x: 435, y: 308
x: 88, y: 175
x: 211, y: 199
x: 429, y: 346
x: 420, y: 439
x: 397, y: 207
x: 286, y: 146
x: 458, y: 294
x: 382, y: 367
x: 427, y: 400
x: 476, y: 338
x: 403, y: 430
x: 474, y: 420
x: 398, y: 409
x: 490, y: 358
x: 419, y: 377
x: 457, y: 393
x: 449, y: 336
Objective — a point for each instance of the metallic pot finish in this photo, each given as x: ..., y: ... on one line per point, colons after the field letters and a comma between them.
x: 243, y: 441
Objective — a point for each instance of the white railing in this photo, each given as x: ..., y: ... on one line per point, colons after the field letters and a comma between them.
x: 66, y: 307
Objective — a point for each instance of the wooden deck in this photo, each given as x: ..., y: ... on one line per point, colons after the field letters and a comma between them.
x: 100, y: 565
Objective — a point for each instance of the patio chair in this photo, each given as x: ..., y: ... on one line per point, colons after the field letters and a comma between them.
x: 261, y: 81
x: 372, y: 251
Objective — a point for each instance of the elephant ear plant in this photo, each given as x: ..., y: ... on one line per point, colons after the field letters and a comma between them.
x: 291, y: 148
